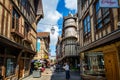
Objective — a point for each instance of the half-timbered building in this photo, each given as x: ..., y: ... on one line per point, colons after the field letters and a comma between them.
x: 18, y: 20
x: 99, y: 40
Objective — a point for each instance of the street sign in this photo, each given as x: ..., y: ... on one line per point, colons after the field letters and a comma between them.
x: 109, y: 3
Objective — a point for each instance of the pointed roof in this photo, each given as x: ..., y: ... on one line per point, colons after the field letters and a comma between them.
x: 38, y: 9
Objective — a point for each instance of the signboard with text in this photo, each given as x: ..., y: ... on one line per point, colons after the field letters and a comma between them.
x: 109, y: 3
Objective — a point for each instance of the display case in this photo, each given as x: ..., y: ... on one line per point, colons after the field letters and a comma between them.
x: 94, y: 64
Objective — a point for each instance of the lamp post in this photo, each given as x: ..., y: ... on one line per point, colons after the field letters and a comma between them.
x: 52, y: 30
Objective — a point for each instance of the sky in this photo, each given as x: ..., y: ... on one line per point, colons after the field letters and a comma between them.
x: 54, y: 11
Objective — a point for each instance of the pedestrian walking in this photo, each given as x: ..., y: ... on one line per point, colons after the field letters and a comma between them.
x: 67, y: 71
x: 52, y: 68
x: 78, y: 66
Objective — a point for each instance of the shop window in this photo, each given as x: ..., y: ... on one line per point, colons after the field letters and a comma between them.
x: 10, y: 66
x: 94, y: 64
x: 102, y: 16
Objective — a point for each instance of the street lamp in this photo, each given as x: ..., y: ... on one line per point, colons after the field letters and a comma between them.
x: 52, y: 30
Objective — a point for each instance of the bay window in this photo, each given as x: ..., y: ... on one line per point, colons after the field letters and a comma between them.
x: 15, y: 20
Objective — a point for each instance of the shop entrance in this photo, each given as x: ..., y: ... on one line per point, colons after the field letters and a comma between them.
x: 111, y: 67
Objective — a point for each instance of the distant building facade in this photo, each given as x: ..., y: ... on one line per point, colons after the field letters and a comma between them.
x: 67, y: 44
x: 43, y: 45
x: 18, y: 20
x: 99, y: 40
x: 52, y: 60
x: 58, y: 49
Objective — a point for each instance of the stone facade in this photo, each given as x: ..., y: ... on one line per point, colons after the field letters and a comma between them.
x: 44, y: 41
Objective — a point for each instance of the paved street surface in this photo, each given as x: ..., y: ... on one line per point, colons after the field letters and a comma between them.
x: 49, y: 75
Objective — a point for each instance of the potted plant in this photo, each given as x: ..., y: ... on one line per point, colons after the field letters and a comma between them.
x: 36, y: 71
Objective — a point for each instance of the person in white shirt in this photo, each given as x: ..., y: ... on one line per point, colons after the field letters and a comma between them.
x: 67, y: 71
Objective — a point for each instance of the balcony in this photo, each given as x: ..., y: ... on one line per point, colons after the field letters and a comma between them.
x: 16, y: 28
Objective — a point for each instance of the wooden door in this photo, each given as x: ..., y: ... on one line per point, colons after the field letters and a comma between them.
x: 110, y: 66
x: 21, y: 68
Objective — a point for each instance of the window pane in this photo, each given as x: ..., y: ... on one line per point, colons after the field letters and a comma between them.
x: 88, y: 18
x: 89, y: 27
x: 94, y: 63
x: 15, y: 14
x: 23, y: 2
x: 87, y: 24
x: 106, y: 14
x: 15, y: 17
x: 99, y: 21
x: 10, y: 69
x: 97, y: 6
x: 84, y: 21
x: 98, y: 14
x: 99, y: 26
x: 106, y: 20
x: 104, y: 10
x: 85, y: 27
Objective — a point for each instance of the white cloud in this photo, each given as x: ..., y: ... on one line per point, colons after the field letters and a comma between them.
x: 71, y: 4
x: 51, y: 17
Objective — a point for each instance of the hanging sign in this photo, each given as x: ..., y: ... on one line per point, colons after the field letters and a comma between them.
x: 109, y: 3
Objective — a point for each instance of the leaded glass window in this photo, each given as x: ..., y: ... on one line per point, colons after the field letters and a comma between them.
x: 102, y: 16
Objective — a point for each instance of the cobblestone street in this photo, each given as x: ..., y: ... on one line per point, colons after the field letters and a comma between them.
x: 48, y: 75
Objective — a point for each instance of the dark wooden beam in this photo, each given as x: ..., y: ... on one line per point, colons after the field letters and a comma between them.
x: 111, y: 37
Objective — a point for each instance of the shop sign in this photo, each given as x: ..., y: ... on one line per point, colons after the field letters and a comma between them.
x: 109, y: 3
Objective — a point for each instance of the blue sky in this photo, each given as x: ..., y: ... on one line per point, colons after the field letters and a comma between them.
x: 54, y: 11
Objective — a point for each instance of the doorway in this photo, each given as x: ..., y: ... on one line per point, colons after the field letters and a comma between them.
x: 111, y: 66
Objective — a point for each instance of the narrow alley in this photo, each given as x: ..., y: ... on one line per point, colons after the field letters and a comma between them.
x: 59, y: 39
x: 49, y: 75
